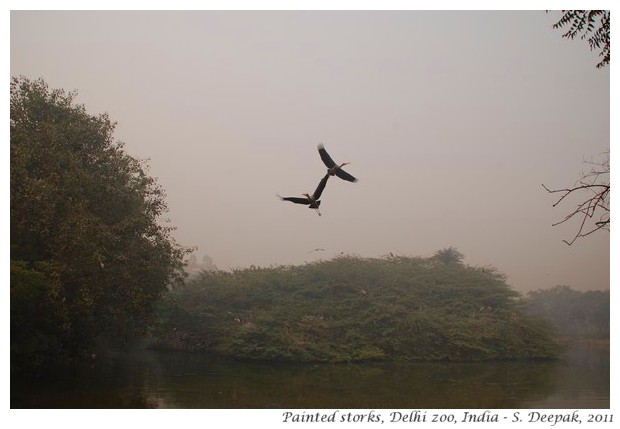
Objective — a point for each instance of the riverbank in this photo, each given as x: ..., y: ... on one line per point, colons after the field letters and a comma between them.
x: 141, y: 378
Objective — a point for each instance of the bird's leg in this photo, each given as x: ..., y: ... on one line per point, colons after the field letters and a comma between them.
x: 318, y: 212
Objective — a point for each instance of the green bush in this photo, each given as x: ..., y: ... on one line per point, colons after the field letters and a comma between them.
x: 356, y: 309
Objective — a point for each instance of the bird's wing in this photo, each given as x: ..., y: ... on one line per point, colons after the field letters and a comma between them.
x: 327, y: 160
x: 319, y: 189
x: 344, y: 175
x: 296, y: 200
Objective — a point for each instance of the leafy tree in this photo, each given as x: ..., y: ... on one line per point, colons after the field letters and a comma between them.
x: 89, y: 254
x: 449, y: 256
x: 590, y: 24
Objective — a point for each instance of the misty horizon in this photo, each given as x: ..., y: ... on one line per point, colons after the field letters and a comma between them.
x: 451, y: 120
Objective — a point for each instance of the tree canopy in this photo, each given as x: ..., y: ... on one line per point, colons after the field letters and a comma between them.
x: 449, y: 255
x: 354, y: 309
x: 89, y: 252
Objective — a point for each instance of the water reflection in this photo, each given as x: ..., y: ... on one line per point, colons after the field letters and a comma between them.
x: 149, y: 379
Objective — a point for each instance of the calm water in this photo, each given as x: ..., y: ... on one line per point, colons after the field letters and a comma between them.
x: 150, y: 379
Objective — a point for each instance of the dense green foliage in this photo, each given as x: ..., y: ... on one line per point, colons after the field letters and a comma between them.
x: 353, y: 309
x: 574, y: 313
x: 88, y: 255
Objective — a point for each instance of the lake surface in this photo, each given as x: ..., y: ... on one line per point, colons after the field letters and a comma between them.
x: 152, y: 379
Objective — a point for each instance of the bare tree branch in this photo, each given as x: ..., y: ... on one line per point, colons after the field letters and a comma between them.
x: 596, y: 184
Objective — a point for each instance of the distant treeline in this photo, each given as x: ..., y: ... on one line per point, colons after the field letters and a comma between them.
x: 354, y: 309
x: 573, y: 313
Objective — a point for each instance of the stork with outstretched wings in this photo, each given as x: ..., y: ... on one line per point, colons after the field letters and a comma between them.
x: 332, y: 167
x: 312, y: 201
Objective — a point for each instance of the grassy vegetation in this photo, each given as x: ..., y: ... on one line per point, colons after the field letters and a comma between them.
x: 354, y: 309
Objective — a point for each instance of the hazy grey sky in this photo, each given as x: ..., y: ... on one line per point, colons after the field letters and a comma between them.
x: 452, y: 121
